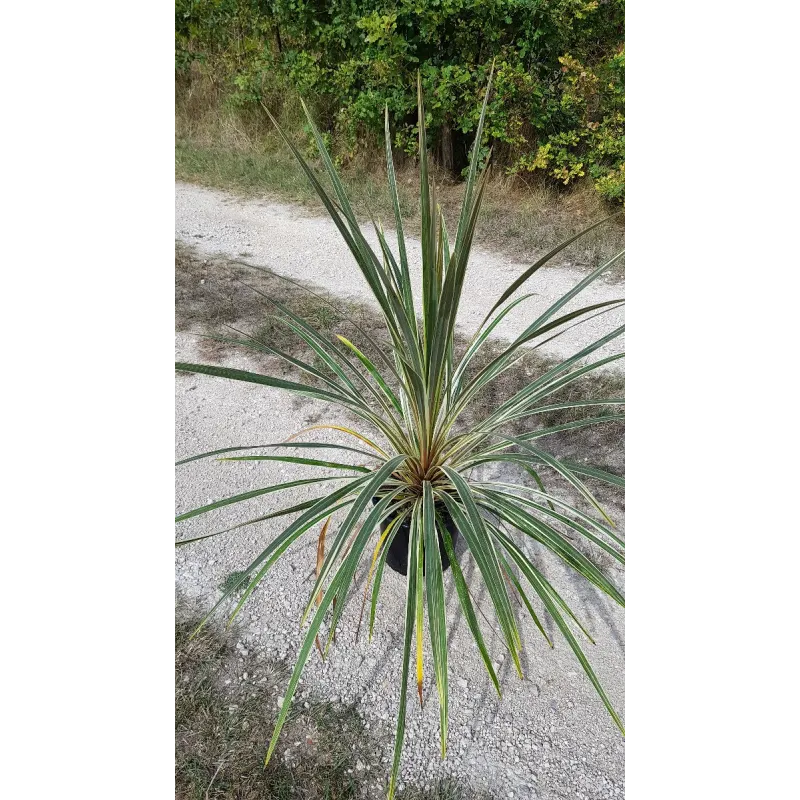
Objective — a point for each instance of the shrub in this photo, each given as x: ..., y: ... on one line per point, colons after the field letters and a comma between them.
x: 559, y: 101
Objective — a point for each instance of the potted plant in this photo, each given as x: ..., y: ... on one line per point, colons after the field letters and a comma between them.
x: 419, y: 493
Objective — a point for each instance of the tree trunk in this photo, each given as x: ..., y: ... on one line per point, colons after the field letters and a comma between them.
x: 447, y: 147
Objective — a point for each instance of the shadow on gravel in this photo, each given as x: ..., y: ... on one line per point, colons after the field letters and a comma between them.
x: 595, y: 606
x: 213, y: 298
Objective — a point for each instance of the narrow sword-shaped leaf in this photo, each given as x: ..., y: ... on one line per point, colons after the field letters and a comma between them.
x: 411, y: 593
x: 593, y: 472
x: 551, y: 499
x: 266, y: 380
x: 350, y: 233
x: 309, y: 445
x: 541, y: 391
x: 303, y: 366
x: 281, y: 542
x: 506, y: 359
x: 539, y: 482
x: 466, y: 603
x: 375, y: 554
x: 557, y: 544
x: 518, y: 586
x: 611, y: 401
x: 378, y: 513
x: 339, y: 583
x: 376, y: 587
x: 339, y: 313
x: 556, y: 598
x: 350, y: 431
x: 238, y: 498
x: 482, y: 335
x: 567, y: 296
x: 324, y: 348
x: 526, y: 398
x: 473, y: 164
x: 565, y: 473
x: 310, y: 462
x: 281, y: 513
x: 540, y: 433
x: 380, y: 283
x: 416, y: 523
x: 382, y: 511
x: 436, y: 617
x: 553, y: 514
x: 320, y: 558
x: 370, y: 488
x: 372, y: 371
x: 471, y: 525
x: 543, y: 260
x: 408, y: 301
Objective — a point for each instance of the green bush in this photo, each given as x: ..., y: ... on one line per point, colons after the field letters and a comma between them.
x: 559, y: 103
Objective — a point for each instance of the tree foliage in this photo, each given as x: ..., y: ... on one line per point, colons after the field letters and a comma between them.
x: 558, y: 109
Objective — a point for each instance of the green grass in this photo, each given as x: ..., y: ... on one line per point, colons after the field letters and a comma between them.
x: 249, y: 173
x: 232, y: 580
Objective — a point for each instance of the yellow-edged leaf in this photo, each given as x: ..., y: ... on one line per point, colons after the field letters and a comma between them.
x: 364, y: 439
x: 375, y: 554
x: 320, y: 559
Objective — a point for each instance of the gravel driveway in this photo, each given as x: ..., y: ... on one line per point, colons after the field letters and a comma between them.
x: 291, y: 241
x: 549, y: 737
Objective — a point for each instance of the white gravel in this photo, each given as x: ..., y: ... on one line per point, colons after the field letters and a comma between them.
x: 292, y: 242
x: 549, y: 737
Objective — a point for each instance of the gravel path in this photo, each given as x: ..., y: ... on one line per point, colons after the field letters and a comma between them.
x: 291, y: 241
x: 549, y: 737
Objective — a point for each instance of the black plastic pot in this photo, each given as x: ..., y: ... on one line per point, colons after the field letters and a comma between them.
x: 397, y: 557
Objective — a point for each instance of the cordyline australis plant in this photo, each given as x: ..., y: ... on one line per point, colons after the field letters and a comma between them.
x: 418, y: 483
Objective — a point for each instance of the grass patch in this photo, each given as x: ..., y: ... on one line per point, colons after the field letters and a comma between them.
x: 216, y: 297
x: 224, y: 722
x: 226, y: 704
x: 522, y: 217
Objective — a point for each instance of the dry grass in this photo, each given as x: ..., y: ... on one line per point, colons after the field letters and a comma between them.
x: 217, y: 296
x: 224, y: 721
x: 522, y: 216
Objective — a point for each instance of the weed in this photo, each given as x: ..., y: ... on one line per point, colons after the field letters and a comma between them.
x: 233, y: 580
